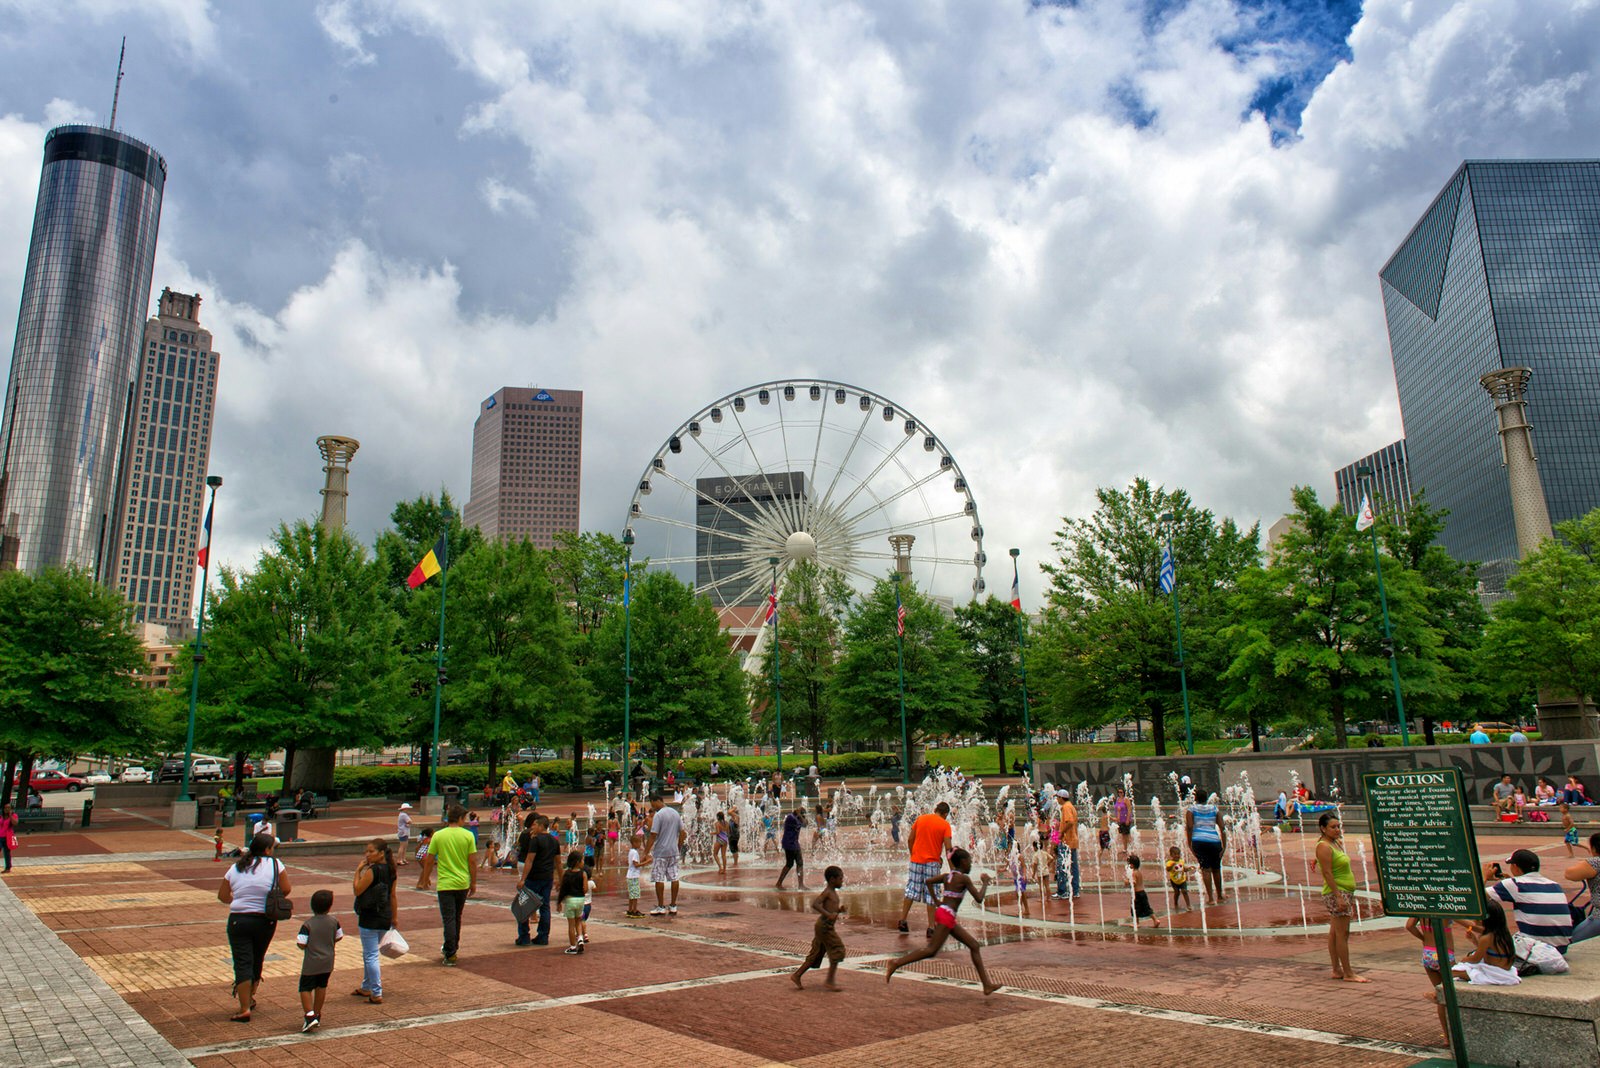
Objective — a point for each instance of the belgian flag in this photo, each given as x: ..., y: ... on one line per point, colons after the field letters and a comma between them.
x: 429, y: 566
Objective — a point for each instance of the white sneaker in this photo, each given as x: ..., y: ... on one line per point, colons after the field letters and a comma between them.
x: 672, y: 910
x: 658, y: 911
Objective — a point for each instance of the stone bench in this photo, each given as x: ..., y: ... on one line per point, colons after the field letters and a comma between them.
x: 1546, y: 1019
x: 41, y: 819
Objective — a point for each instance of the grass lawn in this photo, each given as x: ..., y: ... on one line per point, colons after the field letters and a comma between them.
x: 985, y: 759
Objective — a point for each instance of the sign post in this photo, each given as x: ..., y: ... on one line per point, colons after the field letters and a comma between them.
x: 1427, y: 860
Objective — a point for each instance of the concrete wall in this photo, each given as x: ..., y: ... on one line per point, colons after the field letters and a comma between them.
x: 151, y: 795
x: 1324, y: 769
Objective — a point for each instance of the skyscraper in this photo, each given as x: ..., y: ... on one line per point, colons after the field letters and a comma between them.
x: 1501, y: 271
x: 1391, y: 481
x: 527, y: 463
x: 165, y: 466
x: 70, y: 395
x: 724, y: 511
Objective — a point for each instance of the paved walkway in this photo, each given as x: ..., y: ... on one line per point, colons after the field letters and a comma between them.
x: 56, y: 1010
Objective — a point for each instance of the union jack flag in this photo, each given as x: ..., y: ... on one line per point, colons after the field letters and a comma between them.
x: 772, y: 604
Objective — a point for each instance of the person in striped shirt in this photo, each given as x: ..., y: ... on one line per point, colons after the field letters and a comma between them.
x: 1538, y: 904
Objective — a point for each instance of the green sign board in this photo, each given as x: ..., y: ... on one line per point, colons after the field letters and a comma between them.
x: 1422, y: 842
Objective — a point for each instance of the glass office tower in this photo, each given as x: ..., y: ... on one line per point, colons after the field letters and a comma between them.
x: 70, y: 394
x: 1503, y: 270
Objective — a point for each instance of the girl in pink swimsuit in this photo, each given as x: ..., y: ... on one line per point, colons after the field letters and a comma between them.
x: 952, y: 886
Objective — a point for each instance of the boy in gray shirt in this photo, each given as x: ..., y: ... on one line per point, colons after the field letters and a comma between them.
x: 316, y: 939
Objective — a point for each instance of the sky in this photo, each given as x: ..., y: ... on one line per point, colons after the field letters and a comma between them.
x: 1083, y: 241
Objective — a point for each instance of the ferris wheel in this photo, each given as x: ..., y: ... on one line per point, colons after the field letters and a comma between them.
x: 775, y: 474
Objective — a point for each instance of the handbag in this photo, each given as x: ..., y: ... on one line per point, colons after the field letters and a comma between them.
x: 1534, y: 957
x: 393, y: 944
x: 278, y: 905
x: 1577, y: 911
x: 526, y: 904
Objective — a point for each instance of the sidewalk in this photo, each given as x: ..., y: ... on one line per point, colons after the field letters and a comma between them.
x: 57, y: 1010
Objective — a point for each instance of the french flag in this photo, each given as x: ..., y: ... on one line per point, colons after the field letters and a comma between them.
x: 204, y: 555
x: 772, y: 604
x: 1016, y: 592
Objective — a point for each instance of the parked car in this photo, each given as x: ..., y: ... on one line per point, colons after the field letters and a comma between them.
x: 272, y: 767
x: 171, y: 770
x: 1496, y: 727
x: 98, y: 778
x: 249, y: 769
x: 205, y: 769
x: 53, y: 780
x: 135, y: 774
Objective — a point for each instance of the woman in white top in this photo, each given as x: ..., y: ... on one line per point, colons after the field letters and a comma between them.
x: 244, y: 890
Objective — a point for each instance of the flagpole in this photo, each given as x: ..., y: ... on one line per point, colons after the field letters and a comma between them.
x: 1177, y: 624
x: 1365, y: 474
x: 900, y: 654
x: 777, y: 669
x: 439, y: 678
x: 214, y: 481
x: 627, y: 663
x: 1022, y: 660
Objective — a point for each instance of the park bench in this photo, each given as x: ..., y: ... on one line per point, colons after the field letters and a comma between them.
x: 1543, y: 1016
x: 41, y: 819
x: 316, y: 805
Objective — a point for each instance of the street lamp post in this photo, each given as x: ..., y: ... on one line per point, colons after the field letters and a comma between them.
x: 900, y: 655
x: 627, y: 661
x: 215, y: 482
x: 777, y: 669
x: 439, y: 676
x: 1169, y: 581
x: 1022, y: 658
x: 1364, y: 473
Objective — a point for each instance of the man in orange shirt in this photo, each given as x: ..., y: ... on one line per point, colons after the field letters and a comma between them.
x: 930, y: 844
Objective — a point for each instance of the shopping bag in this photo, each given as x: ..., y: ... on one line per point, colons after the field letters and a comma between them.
x: 393, y: 944
x: 527, y: 904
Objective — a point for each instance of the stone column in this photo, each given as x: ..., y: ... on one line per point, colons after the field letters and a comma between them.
x: 1562, y: 715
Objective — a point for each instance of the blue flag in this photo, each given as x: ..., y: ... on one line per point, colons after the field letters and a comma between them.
x: 627, y: 575
x: 1169, y: 574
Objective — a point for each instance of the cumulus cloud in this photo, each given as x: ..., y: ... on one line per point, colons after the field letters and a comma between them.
x: 1082, y: 242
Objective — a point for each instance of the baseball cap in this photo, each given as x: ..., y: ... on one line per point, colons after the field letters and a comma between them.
x: 405, y: 805
x: 1526, y: 859
x: 1063, y: 793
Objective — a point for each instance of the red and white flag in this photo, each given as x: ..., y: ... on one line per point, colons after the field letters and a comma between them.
x: 899, y: 616
x: 204, y: 555
x: 1364, y: 517
x: 772, y: 603
x: 1016, y: 592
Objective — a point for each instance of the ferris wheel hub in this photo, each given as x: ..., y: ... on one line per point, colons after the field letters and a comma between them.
x: 800, y: 546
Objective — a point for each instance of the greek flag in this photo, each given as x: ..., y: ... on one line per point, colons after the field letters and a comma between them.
x: 1169, y: 574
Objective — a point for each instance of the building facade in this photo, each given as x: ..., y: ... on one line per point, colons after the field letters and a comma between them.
x: 70, y: 395
x: 527, y: 464
x: 725, y: 509
x: 1501, y: 271
x: 165, y: 465
x: 1391, y: 481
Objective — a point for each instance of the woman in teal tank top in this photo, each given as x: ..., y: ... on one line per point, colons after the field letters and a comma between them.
x: 1338, y: 894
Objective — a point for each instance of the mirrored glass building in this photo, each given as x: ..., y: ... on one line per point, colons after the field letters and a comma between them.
x: 1503, y: 270
x: 70, y: 395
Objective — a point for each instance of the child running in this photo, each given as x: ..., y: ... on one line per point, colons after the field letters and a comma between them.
x: 1141, y: 899
x: 956, y: 883
x: 1422, y: 930
x: 633, y: 874
x: 316, y: 939
x: 1178, y: 876
x: 570, y: 900
x: 1569, y: 829
x: 825, y: 940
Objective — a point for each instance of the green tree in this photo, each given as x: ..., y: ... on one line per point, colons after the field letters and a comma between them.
x: 989, y: 630
x: 1548, y: 633
x: 1108, y: 647
x: 301, y: 652
x: 67, y: 651
x: 508, y: 645
x: 686, y: 684
x: 1309, y: 631
x: 940, y: 686
x: 809, y: 631
x: 586, y: 570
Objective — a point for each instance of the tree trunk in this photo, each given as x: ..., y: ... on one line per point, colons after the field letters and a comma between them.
x: 1000, y: 740
x: 1255, y: 733
x: 25, y: 778
x: 288, y: 767
x: 661, y: 759
x: 577, y: 761
x: 422, y: 769
x: 11, y: 771
x: 1427, y: 730
x: 494, y: 762
x: 1158, y: 727
x: 1341, y: 737
x: 238, y: 774
x: 314, y: 770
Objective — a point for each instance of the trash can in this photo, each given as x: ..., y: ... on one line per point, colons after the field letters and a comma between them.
x: 452, y: 796
x: 88, y: 807
x: 206, y: 813
x: 230, y: 812
x: 288, y: 824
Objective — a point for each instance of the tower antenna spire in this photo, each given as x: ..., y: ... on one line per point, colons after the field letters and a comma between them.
x: 117, y: 92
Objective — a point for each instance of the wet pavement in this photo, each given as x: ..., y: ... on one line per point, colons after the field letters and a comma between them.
x: 1246, y: 980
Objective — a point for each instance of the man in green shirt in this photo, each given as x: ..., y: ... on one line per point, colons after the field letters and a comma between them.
x: 452, y: 850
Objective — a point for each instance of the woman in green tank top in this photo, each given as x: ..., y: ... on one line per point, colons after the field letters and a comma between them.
x: 1338, y: 894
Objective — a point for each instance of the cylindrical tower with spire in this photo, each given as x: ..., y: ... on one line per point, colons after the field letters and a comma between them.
x: 337, y: 452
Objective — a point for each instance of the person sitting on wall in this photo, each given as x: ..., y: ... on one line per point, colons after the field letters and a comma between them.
x: 1504, y: 796
x: 1573, y: 793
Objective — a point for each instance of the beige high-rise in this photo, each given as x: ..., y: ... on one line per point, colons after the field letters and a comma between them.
x: 527, y: 464
x: 161, y: 501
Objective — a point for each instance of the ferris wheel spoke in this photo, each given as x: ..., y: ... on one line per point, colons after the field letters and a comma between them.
x: 838, y: 472
x: 718, y: 558
x: 785, y: 518
x: 773, y: 519
x: 816, y: 448
x: 913, y: 524
x: 860, y: 573
x: 743, y: 521
x: 879, y: 503
x: 788, y: 465
x: 918, y: 558
x: 888, y: 458
x: 684, y: 524
x: 756, y: 585
x: 752, y: 570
